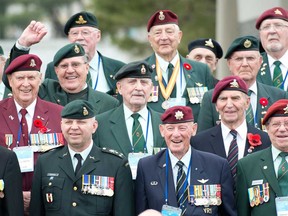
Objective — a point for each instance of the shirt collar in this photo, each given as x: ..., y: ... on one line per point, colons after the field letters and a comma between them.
x: 185, y: 159
x: 275, y: 152
x: 30, y: 109
x: 94, y: 61
x: 164, y: 64
x: 283, y: 60
x: 84, y: 154
x: 240, y: 130
x: 143, y: 112
x: 253, y: 88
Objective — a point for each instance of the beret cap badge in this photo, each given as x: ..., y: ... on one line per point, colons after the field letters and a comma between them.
x: 81, y: 20
x: 143, y: 69
x: 32, y: 63
x: 209, y: 43
x: 286, y: 109
x: 247, y: 43
x: 85, y: 111
x: 76, y: 49
x: 234, y: 84
x: 179, y: 115
x: 277, y: 11
x: 161, y: 15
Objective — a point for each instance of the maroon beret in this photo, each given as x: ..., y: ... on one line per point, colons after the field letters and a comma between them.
x: 177, y: 114
x: 273, y: 13
x: 234, y: 83
x: 27, y: 62
x: 279, y: 108
x: 162, y: 17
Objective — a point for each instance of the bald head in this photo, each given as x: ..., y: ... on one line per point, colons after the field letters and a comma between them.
x: 150, y: 212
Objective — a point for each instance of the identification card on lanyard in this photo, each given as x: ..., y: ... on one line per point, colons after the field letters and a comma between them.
x: 25, y: 157
x: 133, y: 159
x: 282, y: 206
x: 170, y: 211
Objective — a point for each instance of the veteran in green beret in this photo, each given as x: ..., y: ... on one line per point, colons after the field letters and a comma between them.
x: 243, y: 60
x: 80, y: 178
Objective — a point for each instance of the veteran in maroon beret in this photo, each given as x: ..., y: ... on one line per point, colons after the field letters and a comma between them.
x: 180, y: 168
x: 26, y: 119
x: 266, y: 171
x: 273, y: 29
x: 176, y: 80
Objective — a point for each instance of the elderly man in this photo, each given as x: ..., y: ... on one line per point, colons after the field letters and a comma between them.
x: 180, y: 169
x: 81, y: 179
x: 243, y: 60
x: 207, y: 51
x: 262, y: 187
x: 176, y: 80
x: 273, y: 29
x: 27, y: 120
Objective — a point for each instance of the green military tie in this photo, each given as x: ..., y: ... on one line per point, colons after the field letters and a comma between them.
x: 137, y: 134
x: 170, y: 72
x: 277, y: 76
x: 249, y: 112
x: 283, y: 174
x: 89, y: 79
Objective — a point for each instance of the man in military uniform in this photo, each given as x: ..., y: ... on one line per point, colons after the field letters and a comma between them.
x: 273, y: 29
x: 176, y: 80
x: 207, y: 51
x: 243, y: 60
x: 83, y: 28
x: 81, y: 179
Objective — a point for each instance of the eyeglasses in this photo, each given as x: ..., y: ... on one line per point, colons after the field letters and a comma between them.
x: 74, y: 65
x: 249, y: 59
x: 276, y: 26
x: 277, y: 125
x: 84, y: 33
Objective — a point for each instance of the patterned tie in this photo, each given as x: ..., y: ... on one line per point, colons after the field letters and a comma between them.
x: 79, y: 164
x: 181, y: 188
x: 283, y: 174
x: 277, y: 76
x: 137, y: 134
x: 249, y: 112
x: 24, y: 126
x: 233, y: 154
x: 170, y: 72
x: 89, y: 79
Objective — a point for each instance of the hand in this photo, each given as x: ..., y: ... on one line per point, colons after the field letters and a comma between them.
x: 32, y: 34
x: 26, y: 198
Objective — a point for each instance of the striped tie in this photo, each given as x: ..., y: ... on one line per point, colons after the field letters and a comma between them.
x: 137, y: 134
x: 249, y: 112
x: 283, y: 174
x: 181, y: 188
x: 233, y: 154
x: 277, y: 76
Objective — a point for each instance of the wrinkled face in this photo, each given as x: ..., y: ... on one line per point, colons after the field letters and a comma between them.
x: 232, y: 106
x: 273, y: 35
x: 277, y: 129
x: 25, y: 86
x: 87, y: 36
x: 165, y: 39
x: 72, y: 74
x: 205, y: 56
x: 245, y: 64
x: 78, y: 132
x: 177, y: 137
x: 135, y: 91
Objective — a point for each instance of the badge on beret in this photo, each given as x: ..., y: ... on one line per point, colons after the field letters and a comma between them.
x: 234, y: 84
x: 161, y: 15
x: 32, y: 63
x: 209, y: 43
x: 286, y: 109
x: 143, y: 69
x: 247, y: 43
x: 76, y: 49
x: 179, y: 115
x: 85, y: 111
x: 277, y: 11
x: 80, y: 20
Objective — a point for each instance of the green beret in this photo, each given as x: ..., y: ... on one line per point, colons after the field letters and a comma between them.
x: 68, y: 51
x: 245, y: 43
x: 138, y: 69
x: 1, y: 51
x: 79, y: 20
x: 78, y: 109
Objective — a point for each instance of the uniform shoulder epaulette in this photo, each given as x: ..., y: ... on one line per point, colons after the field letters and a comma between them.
x: 112, y: 151
x: 52, y: 149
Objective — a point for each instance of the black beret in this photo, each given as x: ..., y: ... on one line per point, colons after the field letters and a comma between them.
x: 245, y: 43
x: 79, y: 20
x: 138, y: 69
x: 207, y: 43
x: 68, y: 51
x: 78, y: 109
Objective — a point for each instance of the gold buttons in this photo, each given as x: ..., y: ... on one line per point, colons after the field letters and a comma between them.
x: 75, y: 188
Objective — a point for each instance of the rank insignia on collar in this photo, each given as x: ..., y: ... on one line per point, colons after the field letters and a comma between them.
x: 286, y: 109
x: 209, y: 43
x: 179, y: 115
x: 234, y: 84
x: 143, y: 69
x: 247, y: 43
x: 76, y: 49
x: 81, y: 20
x: 85, y: 111
x: 277, y: 11
x: 32, y: 63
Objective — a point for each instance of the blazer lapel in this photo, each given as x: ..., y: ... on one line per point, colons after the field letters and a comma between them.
x: 66, y: 164
x: 11, y: 118
x: 261, y: 110
x: 216, y: 141
x: 157, y: 138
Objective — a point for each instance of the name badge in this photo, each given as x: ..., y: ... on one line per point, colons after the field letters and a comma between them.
x: 282, y: 206
x: 25, y: 158
x: 133, y: 159
x: 170, y: 211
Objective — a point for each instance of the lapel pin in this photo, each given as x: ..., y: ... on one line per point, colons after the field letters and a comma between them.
x: 154, y: 183
x: 265, y: 167
x: 11, y: 117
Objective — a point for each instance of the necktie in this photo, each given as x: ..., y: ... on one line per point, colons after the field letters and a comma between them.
x: 89, y: 79
x: 277, y: 76
x: 233, y: 154
x: 181, y: 188
x: 24, y: 126
x: 249, y: 112
x: 79, y: 164
x: 170, y: 72
x: 283, y: 174
x: 137, y: 134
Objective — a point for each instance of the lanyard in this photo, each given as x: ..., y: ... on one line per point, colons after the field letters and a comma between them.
x: 98, y: 71
x: 181, y: 81
x: 282, y: 85
x: 19, y: 136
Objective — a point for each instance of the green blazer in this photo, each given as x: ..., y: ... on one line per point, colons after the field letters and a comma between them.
x: 197, y: 73
x: 209, y: 117
x: 110, y: 67
x: 112, y: 131
x: 50, y: 90
x: 264, y: 74
x: 257, y: 166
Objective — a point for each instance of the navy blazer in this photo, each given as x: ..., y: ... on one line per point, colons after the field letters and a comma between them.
x: 150, y: 183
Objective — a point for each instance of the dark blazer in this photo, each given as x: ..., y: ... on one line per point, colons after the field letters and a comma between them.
x: 204, y: 165
x: 112, y: 132
x: 264, y: 74
x: 110, y: 67
x: 209, y: 117
x: 57, y: 177
x: 12, y: 202
x: 198, y: 73
x: 258, y: 166
x: 49, y: 113
x: 211, y: 140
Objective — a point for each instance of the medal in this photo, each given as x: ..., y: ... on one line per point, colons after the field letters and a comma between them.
x: 1, y: 194
x: 165, y: 105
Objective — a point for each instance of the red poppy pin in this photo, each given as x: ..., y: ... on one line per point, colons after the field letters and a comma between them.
x: 38, y: 124
x: 263, y: 101
x: 187, y: 66
x: 254, y: 140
